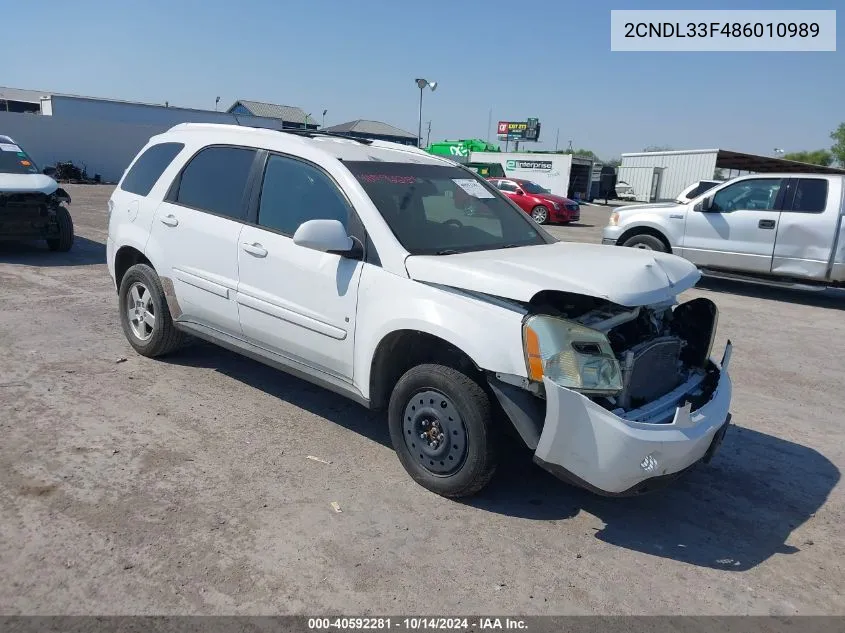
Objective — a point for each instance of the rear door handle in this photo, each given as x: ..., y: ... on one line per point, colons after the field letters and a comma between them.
x: 255, y: 249
x: 170, y: 220
x: 766, y: 224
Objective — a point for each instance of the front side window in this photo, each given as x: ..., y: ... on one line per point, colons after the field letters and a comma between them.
x: 149, y: 167
x: 215, y: 181
x: 437, y: 209
x: 504, y: 185
x: 748, y: 195
x: 294, y: 192
x: 532, y: 187
x: 810, y: 196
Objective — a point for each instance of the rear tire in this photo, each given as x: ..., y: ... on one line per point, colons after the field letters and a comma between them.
x: 646, y: 242
x: 540, y: 214
x: 64, y: 241
x: 144, y: 314
x: 442, y: 402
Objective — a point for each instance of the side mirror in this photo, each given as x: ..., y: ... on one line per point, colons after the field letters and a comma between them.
x: 707, y: 203
x: 327, y: 236
x: 520, y: 192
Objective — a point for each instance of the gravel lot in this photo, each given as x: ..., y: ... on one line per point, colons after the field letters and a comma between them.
x: 182, y: 485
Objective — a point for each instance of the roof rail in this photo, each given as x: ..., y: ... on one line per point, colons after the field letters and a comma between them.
x: 308, y: 133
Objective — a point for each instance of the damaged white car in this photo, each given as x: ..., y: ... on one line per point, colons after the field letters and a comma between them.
x: 354, y: 265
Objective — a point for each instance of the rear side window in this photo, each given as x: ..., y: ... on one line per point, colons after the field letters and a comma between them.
x: 810, y: 196
x: 148, y: 168
x: 215, y: 181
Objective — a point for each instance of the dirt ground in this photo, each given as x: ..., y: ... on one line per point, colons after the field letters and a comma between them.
x: 182, y: 485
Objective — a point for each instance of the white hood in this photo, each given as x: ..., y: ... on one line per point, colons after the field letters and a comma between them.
x: 625, y: 276
x: 27, y: 183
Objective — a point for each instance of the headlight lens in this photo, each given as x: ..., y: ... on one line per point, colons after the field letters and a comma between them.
x: 614, y: 219
x: 570, y: 355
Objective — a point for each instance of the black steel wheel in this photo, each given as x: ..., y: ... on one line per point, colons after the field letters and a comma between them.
x: 441, y: 427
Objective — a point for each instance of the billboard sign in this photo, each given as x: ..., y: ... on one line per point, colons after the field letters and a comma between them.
x: 528, y: 130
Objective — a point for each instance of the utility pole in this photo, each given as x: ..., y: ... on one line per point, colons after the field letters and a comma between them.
x: 489, y: 123
x: 570, y: 147
x: 428, y: 138
x: 557, y: 137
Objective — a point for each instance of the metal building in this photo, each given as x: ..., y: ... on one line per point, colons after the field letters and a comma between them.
x: 658, y: 176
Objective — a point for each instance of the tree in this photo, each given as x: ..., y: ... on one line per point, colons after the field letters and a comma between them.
x: 815, y: 157
x: 719, y: 174
x: 613, y: 162
x: 838, y: 148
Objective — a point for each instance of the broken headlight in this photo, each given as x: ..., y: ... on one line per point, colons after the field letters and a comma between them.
x: 570, y: 355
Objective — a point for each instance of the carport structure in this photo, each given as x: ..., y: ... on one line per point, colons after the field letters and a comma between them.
x: 659, y: 176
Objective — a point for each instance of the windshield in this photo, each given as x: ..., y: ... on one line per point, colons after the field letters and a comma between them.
x: 13, y: 160
x: 442, y: 210
x: 532, y: 187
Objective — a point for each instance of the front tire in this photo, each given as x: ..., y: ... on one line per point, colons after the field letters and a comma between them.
x: 540, y: 214
x: 441, y: 427
x: 144, y: 314
x: 646, y: 242
x: 64, y: 241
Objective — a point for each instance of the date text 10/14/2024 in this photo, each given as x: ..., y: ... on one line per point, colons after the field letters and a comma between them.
x: 417, y: 624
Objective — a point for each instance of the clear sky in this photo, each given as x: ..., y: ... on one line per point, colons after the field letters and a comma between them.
x: 358, y: 59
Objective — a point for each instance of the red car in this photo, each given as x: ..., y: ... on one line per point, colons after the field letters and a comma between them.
x: 538, y: 202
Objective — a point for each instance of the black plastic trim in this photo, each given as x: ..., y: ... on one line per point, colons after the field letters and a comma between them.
x: 526, y: 411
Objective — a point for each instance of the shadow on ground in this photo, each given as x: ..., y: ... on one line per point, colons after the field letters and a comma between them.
x: 732, y: 514
x: 833, y: 298
x: 84, y: 252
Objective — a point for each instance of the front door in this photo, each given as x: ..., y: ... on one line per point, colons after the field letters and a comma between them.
x: 295, y: 301
x: 738, y: 231
x: 195, y: 236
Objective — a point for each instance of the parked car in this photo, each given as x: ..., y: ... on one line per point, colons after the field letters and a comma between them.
x: 31, y: 204
x: 538, y: 202
x: 624, y: 191
x: 765, y: 226
x: 696, y: 189
x: 346, y: 262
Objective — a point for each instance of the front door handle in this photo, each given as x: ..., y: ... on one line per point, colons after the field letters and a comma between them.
x: 255, y: 249
x: 170, y: 220
x: 766, y: 224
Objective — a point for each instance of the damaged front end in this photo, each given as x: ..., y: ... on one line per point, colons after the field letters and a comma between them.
x: 618, y: 398
x: 30, y: 215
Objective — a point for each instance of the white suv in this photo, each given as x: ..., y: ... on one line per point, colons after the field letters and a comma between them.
x: 355, y: 265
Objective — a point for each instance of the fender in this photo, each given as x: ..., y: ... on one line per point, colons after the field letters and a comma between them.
x: 388, y: 303
x: 673, y: 235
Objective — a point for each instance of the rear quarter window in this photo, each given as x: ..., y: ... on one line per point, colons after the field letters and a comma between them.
x: 810, y: 196
x: 149, y: 167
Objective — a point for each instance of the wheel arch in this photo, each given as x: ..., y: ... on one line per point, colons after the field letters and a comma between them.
x: 401, y: 349
x: 126, y: 257
x: 645, y: 230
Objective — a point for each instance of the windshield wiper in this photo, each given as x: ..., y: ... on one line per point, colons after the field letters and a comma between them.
x: 447, y: 251
x: 511, y: 246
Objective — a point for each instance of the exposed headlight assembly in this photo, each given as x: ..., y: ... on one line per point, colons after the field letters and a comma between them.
x: 570, y: 355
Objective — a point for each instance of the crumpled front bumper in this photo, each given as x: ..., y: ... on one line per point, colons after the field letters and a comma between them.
x: 590, y: 446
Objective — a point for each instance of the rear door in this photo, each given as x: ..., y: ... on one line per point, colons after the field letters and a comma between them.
x: 807, y: 229
x: 195, y: 235
x: 739, y: 230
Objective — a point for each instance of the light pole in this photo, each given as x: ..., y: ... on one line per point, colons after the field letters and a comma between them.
x: 422, y: 83
x: 324, y: 118
x: 216, y: 101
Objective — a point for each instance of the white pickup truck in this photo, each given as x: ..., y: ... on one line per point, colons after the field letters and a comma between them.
x: 777, y: 227
x: 354, y: 265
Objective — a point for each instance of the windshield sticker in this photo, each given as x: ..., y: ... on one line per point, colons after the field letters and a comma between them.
x: 9, y: 147
x: 472, y: 187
